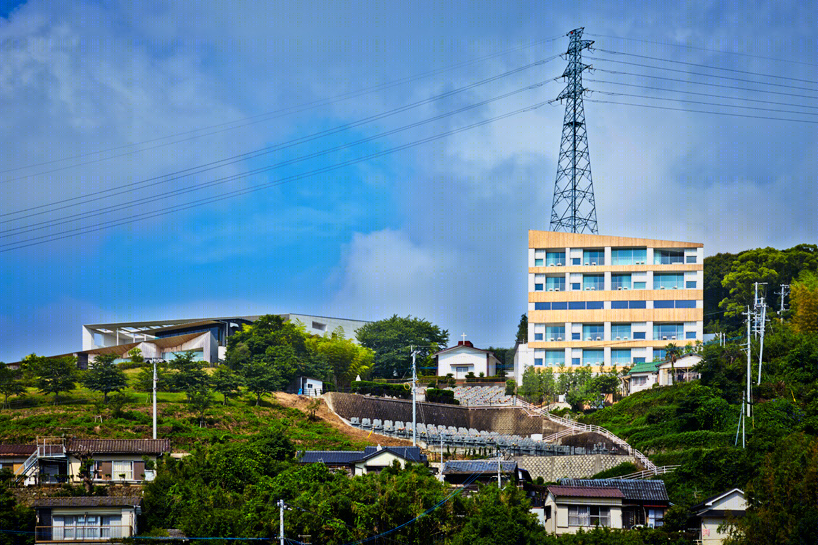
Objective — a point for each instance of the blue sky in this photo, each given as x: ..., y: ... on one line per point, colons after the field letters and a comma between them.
x: 438, y: 230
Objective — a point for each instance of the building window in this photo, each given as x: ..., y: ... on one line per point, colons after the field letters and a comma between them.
x: 637, y: 304
x: 690, y: 284
x: 537, y: 287
x: 668, y: 257
x: 640, y: 285
x: 619, y: 305
x: 539, y: 282
x: 686, y: 303
x: 593, y: 357
x: 538, y: 336
x: 555, y: 333
x: 576, y: 286
x: 593, y: 282
x: 542, y: 306
x: 555, y: 283
x: 576, y: 305
x: 639, y: 360
x: 593, y: 257
x: 656, y: 518
x: 554, y: 358
x: 559, y: 305
x: 593, y: 332
x: 663, y: 304
x: 639, y: 335
x: 538, y: 262
x: 537, y: 361
x: 667, y: 281
x: 576, y: 261
x: 620, y: 281
x: 620, y: 332
x: 629, y: 256
x: 589, y: 515
x: 690, y: 335
x: 620, y: 356
x: 122, y: 470
x: 659, y: 354
x: 690, y: 259
x: 576, y: 336
x: 575, y: 361
x: 667, y: 332
x: 555, y: 259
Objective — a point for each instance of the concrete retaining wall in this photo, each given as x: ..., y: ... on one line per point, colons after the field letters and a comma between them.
x: 553, y: 468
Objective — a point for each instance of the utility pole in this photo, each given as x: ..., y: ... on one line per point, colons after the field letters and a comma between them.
x: 573, y: 208
x: 783, y: 293
x: 749, y: 364
x: 281, y: 522
x: 763, y: 327
x: 155, y: 381
x: 499, y: 482
x: 414, y: 399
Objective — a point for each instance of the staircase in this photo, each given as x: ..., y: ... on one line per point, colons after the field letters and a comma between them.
x: 51, y: 448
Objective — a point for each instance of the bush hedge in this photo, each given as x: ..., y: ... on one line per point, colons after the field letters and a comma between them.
x: 364, y: 387
x: 434, y: 395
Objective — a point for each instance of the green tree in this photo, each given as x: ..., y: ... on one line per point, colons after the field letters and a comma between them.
x: 390, y: 339
x: 200, y: 402
x: 190, y: 375
x: 14, y: 516
x: 531, y: 388
x: 260, y: 378
x: 805, y: 303
x: 104, y: 376
x: 345, y: 358
x: 143, y: 382
x: 53, y: 375
x: 11, y: 383
x: 136, y: 355
x: 672, y: 354
x: 522, y: 330
x: 500, y: 516
x: 226, y: 381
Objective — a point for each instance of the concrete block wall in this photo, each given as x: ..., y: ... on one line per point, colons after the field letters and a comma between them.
x: 553, y: 468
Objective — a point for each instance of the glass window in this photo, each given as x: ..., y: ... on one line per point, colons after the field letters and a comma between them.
x: 537, y: 361
x: 555, y: 283
x: 593, y: 282
x: 559, y: 305
x: 576, y: 261
x: 620, y: 281
x: 640, y: 285
x: 576, y: 305
x: 668, y: 332
x: 555, y: 333
x: 621, y: 356
x: 593, y: 357
x: 576, y: 336
x: 576, y: 286
x: 575, y: 361
x: 537, y: 287
x: 538, y: 262
x: 659, y: 354
x: 593, y: 257
x: 538, y: 336
x: 685, y: 303
x: 663, y: 304
x: 656, y: 518
x: 690, y: 259
x: 637, y: 304
x: 542, y: 306
x: 593, y: 332
x: 690, y: 284
x: 639, y: 360
x: 594, y: 305
x: 555, y: 259
x: 668, y: 257
x: 619, y: 304
x: 667, y: 281
x: 690, y: 335
x: 629, y: 256
x: 554, y: 358
x: 122, y: 470
x: 620, y: 331
x: 639, y: 335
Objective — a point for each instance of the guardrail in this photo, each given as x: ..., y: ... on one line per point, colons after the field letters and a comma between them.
x: 649, y: 473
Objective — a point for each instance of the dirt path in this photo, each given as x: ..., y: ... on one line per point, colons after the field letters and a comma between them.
x: 330, y: 418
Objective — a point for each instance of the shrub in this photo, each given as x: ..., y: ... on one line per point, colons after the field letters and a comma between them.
x: 381, y: 389
x: 433, y: 395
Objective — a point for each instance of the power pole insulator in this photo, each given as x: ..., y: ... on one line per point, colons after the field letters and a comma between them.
x: 573, y: 208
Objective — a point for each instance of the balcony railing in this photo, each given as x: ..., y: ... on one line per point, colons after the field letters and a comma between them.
x: 81, y: 533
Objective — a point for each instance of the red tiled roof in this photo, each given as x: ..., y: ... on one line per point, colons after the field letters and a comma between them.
x: 585, y: 492
x: 17, y: 450
x: 118, y: 446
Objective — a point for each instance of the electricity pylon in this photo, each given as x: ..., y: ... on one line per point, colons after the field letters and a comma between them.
x: 573, y: 208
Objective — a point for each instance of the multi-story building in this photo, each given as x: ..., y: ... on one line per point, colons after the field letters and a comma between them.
x: 604, y: 301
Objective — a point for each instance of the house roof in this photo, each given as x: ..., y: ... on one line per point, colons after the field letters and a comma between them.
x: 455, y: 467
x: 708, y: 503
x: 89, y: 501
x: 16, y: 450
x: 632, y: 489
x: 644, y: 367
x: 339, y: 457
x: 465, y: 345
x: 411, y: 454
x: 118, y: 446
x: 684, y: 362
x: 585, y: 492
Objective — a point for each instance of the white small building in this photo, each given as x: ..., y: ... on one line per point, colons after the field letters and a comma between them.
x: 717, y: 514
x: 683, y: 369
x: 463, y: 359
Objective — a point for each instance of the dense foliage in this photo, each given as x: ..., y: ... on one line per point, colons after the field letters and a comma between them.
x: 392, y: 340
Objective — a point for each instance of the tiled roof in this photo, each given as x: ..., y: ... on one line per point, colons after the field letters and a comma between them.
x: 17, y: 450
x: 585, y: 492
x: 632, y: 489
x: 89, y: 501
x: 330, y: 457
x: 118, y: 446
x: 477, y: 466
x: 411, y: 454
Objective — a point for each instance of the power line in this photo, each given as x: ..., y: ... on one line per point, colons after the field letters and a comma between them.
x: 703, y: 83
x: 706, y: 75
x: 702, y: 111
x: 184, y: 206
x: 16, y: 231
x: 755, y: 108
x: 276, y: 113
x: 704, y: 49
x: 701, y: 94
x: 704, y: 66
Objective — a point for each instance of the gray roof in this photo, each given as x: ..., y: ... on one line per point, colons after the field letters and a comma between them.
x: 118, y: 446
x: 632, y: 489
x: 477, y: 466
x: 339, y: 457
x: 89, y: 501
x: 411, y: 454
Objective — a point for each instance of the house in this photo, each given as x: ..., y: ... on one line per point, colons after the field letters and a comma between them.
x: 718, y: 511
x: 463, y: 359
x: 468, y: 472
x: 57, y: 460
x: 614, y: 503
x: 14, y: 456
x: 372, y: 459
x: 642, y: 376
x: 645, y: 375
x: 305, y: 386
x: 608, y: 301
x: 86, y: 519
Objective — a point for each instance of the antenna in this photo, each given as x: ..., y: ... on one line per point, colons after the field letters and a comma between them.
x: 573, y: 208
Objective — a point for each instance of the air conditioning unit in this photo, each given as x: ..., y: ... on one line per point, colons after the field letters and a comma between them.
x: 587, y: 338
x: 559, y: 264
x: 550, y: 264
x: 559, y: 338
x: 599, y: 338
x: 661, y: 287
x: 664, y: 338
x: 593, y: 263
x: 617, y: 338
x: 551, y: 339
x: 593, y: 288
x: 673, y: 337
x: 625, y: 338
x: 619, y: 288
x: 588, y: 289
x: 675, y: 287
x: 556, y: 289
x: 625, y: 288
x: 550, y: 289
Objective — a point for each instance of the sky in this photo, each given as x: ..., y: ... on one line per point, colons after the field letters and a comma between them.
x: 110, y: 112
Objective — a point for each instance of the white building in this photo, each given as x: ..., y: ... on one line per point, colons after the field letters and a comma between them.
x: 463, y: 359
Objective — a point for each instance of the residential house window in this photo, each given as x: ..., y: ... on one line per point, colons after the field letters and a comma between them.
x: 593, y: 257
x: 656, y: 518
x: 620, y: 281
x: 620, y: 332
x: 593, y: 357
x: 555, y: 283
x: 556, y: 259
x: 668, y: 257
x: 82, y: 527
x: 554, y: 358
x: 588, y: 515
x: 593, y: 332
x: 668, y: 281
x: 629, y: 256
x: 122, y: 470
x: 593, y: 282
x: 621, y: 356
x: 668, y: 332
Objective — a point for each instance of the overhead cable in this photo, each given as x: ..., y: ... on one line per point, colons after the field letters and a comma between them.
x: 275, y: 113
x: 703, y: 111
x: 756, y: 108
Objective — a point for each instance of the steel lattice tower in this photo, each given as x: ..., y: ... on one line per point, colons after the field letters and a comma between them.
x: 573, y: 208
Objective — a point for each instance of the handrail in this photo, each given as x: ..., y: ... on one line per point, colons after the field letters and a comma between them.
x: 649, y: 473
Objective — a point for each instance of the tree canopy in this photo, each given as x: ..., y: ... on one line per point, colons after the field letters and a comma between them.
x: 390, y: 340
x: 104, y: 376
